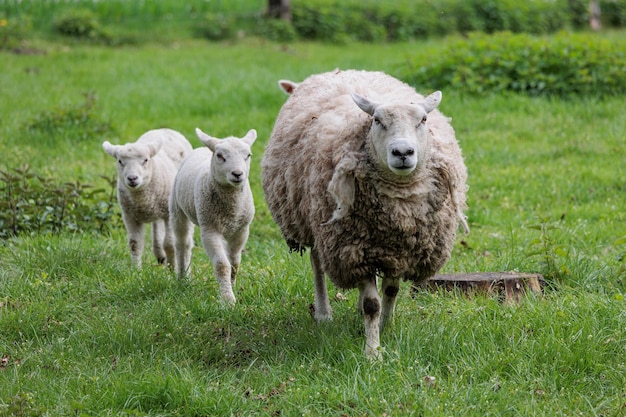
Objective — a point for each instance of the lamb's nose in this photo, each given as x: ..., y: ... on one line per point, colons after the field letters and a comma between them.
x: 132, y: 178
x: 237, y: 174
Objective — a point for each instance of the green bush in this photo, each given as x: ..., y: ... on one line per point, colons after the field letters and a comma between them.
x: 13, y: 32
x: 33, y: 204
x: 562, y: 65
x: 215, y: 27
x: 277, y: 30
x: 81, y: 24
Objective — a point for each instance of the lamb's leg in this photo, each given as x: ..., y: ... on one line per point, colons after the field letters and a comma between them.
x: 135, y: 240
x: 390, y: 288
x: 236, y: 248
x: 158, y: 234
x: 214, y: 245
x: 370, y: 305
x: 182, y: 229
x: 168, y: 245
x: 323, y: 312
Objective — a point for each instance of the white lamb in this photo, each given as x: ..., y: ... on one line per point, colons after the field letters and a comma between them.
x: 367, y: 174
x: 146, y: 171
x: 212, y: 191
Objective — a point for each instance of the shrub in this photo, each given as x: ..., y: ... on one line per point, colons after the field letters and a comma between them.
x: 215, y: 27
x: 13, y: 32
x: 277, y: 30
x: 33, y: 204
x: 80, y: 24
x: 562, y: 65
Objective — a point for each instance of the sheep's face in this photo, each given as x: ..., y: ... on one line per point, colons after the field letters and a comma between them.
x: 399, y: 134
x: 230, y: 164
x: 134, y: 163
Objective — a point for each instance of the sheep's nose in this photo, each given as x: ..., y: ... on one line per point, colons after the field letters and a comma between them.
x: 132, y: 178
x: 403, y: 152
x: 237, y: 174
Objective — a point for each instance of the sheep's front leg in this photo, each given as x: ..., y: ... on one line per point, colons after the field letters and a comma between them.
x: 215, y: 247
x: 323, y: 312
x: 390, y: 288
x: 158, y: 235
x: 370, y: 306
x: 135, y: 240
x: 182, y: 229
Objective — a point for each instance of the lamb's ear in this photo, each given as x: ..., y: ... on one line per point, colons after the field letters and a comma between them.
x: 155, y: 147
x: 110, y: 149
x: 209, y: 141
x: 250, y: 137
x: 432, y: 101
x: 287, y: 86
x: 342, y: 188
x: 364, y: 103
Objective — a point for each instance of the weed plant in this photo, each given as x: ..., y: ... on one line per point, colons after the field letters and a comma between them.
x: 85, y: 334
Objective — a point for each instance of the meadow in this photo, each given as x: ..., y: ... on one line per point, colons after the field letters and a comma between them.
x: 82, y: 333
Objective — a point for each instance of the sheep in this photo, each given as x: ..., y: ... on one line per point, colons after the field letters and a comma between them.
x: 211, y: 190
x: 368, y: 174
x: 145, y: 173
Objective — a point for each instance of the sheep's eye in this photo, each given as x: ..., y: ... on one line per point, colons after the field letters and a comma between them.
x: 145, y: 161
x: 379, y: 123
x: 119, y: 161
x: 220, y: 157
x: 248, y: 156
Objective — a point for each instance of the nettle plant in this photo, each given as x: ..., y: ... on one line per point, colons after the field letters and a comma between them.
x: 32, y: 204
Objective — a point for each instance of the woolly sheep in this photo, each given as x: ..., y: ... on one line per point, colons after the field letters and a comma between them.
x: 367, y: 174
x: 212, y: 191
x: 145, y: 173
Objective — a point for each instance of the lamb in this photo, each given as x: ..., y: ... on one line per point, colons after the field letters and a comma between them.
x: 368, y: 174
x: 212, y: 191
x: 146, y: 171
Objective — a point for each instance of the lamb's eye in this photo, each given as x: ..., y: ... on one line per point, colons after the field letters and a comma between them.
x: 145, y: 161
x: 119, y: 161
x: 248, y: 156
x: 379, y: 123
x: 220, y: 157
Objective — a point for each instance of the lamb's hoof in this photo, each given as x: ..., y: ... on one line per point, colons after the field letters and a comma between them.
x: 374, y: 354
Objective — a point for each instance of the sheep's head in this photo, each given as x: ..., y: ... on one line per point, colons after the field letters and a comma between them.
x: 230, y: 164
x: 399, y: 134
x: 134, y: 162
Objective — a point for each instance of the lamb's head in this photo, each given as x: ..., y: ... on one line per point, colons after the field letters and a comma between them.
x: 134, y: 162
x: 399, y: 138
x: 230, y: 164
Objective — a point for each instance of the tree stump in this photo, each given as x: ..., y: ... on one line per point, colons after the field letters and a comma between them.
x: 509, y: 286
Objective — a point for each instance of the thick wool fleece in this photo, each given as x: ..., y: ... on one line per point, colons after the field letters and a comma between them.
x: 401, y: 227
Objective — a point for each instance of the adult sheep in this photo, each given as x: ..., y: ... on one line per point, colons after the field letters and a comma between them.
x: 212, y: 191
x: 367, y: 174
x: 145, y: 173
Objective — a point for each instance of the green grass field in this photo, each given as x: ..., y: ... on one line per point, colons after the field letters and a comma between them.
x: 82, y: 333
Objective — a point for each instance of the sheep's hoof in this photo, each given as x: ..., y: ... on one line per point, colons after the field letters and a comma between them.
x: 374, y: 354
x: 320, y: 316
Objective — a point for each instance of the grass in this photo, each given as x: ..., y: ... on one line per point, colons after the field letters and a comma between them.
x: 85, y: 334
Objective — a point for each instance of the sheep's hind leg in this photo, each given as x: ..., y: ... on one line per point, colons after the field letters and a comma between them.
x: 183, y: 242
x: 370, y: 305
x: 390, y: 288
x: 323, y: 312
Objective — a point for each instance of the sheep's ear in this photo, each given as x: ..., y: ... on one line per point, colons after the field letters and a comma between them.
x: 209, y: 141
x: 432, y: 101
x: 110, y: 149
x: 364, y: 103
x: 250, y: 137
x: 155, y: 148
x: 287, y: 86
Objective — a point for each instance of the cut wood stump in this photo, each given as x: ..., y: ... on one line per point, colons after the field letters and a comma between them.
x: 509, y: 286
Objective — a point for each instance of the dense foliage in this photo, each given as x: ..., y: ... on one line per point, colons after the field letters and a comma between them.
x: 563, y: 65
x: 118, y: 21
